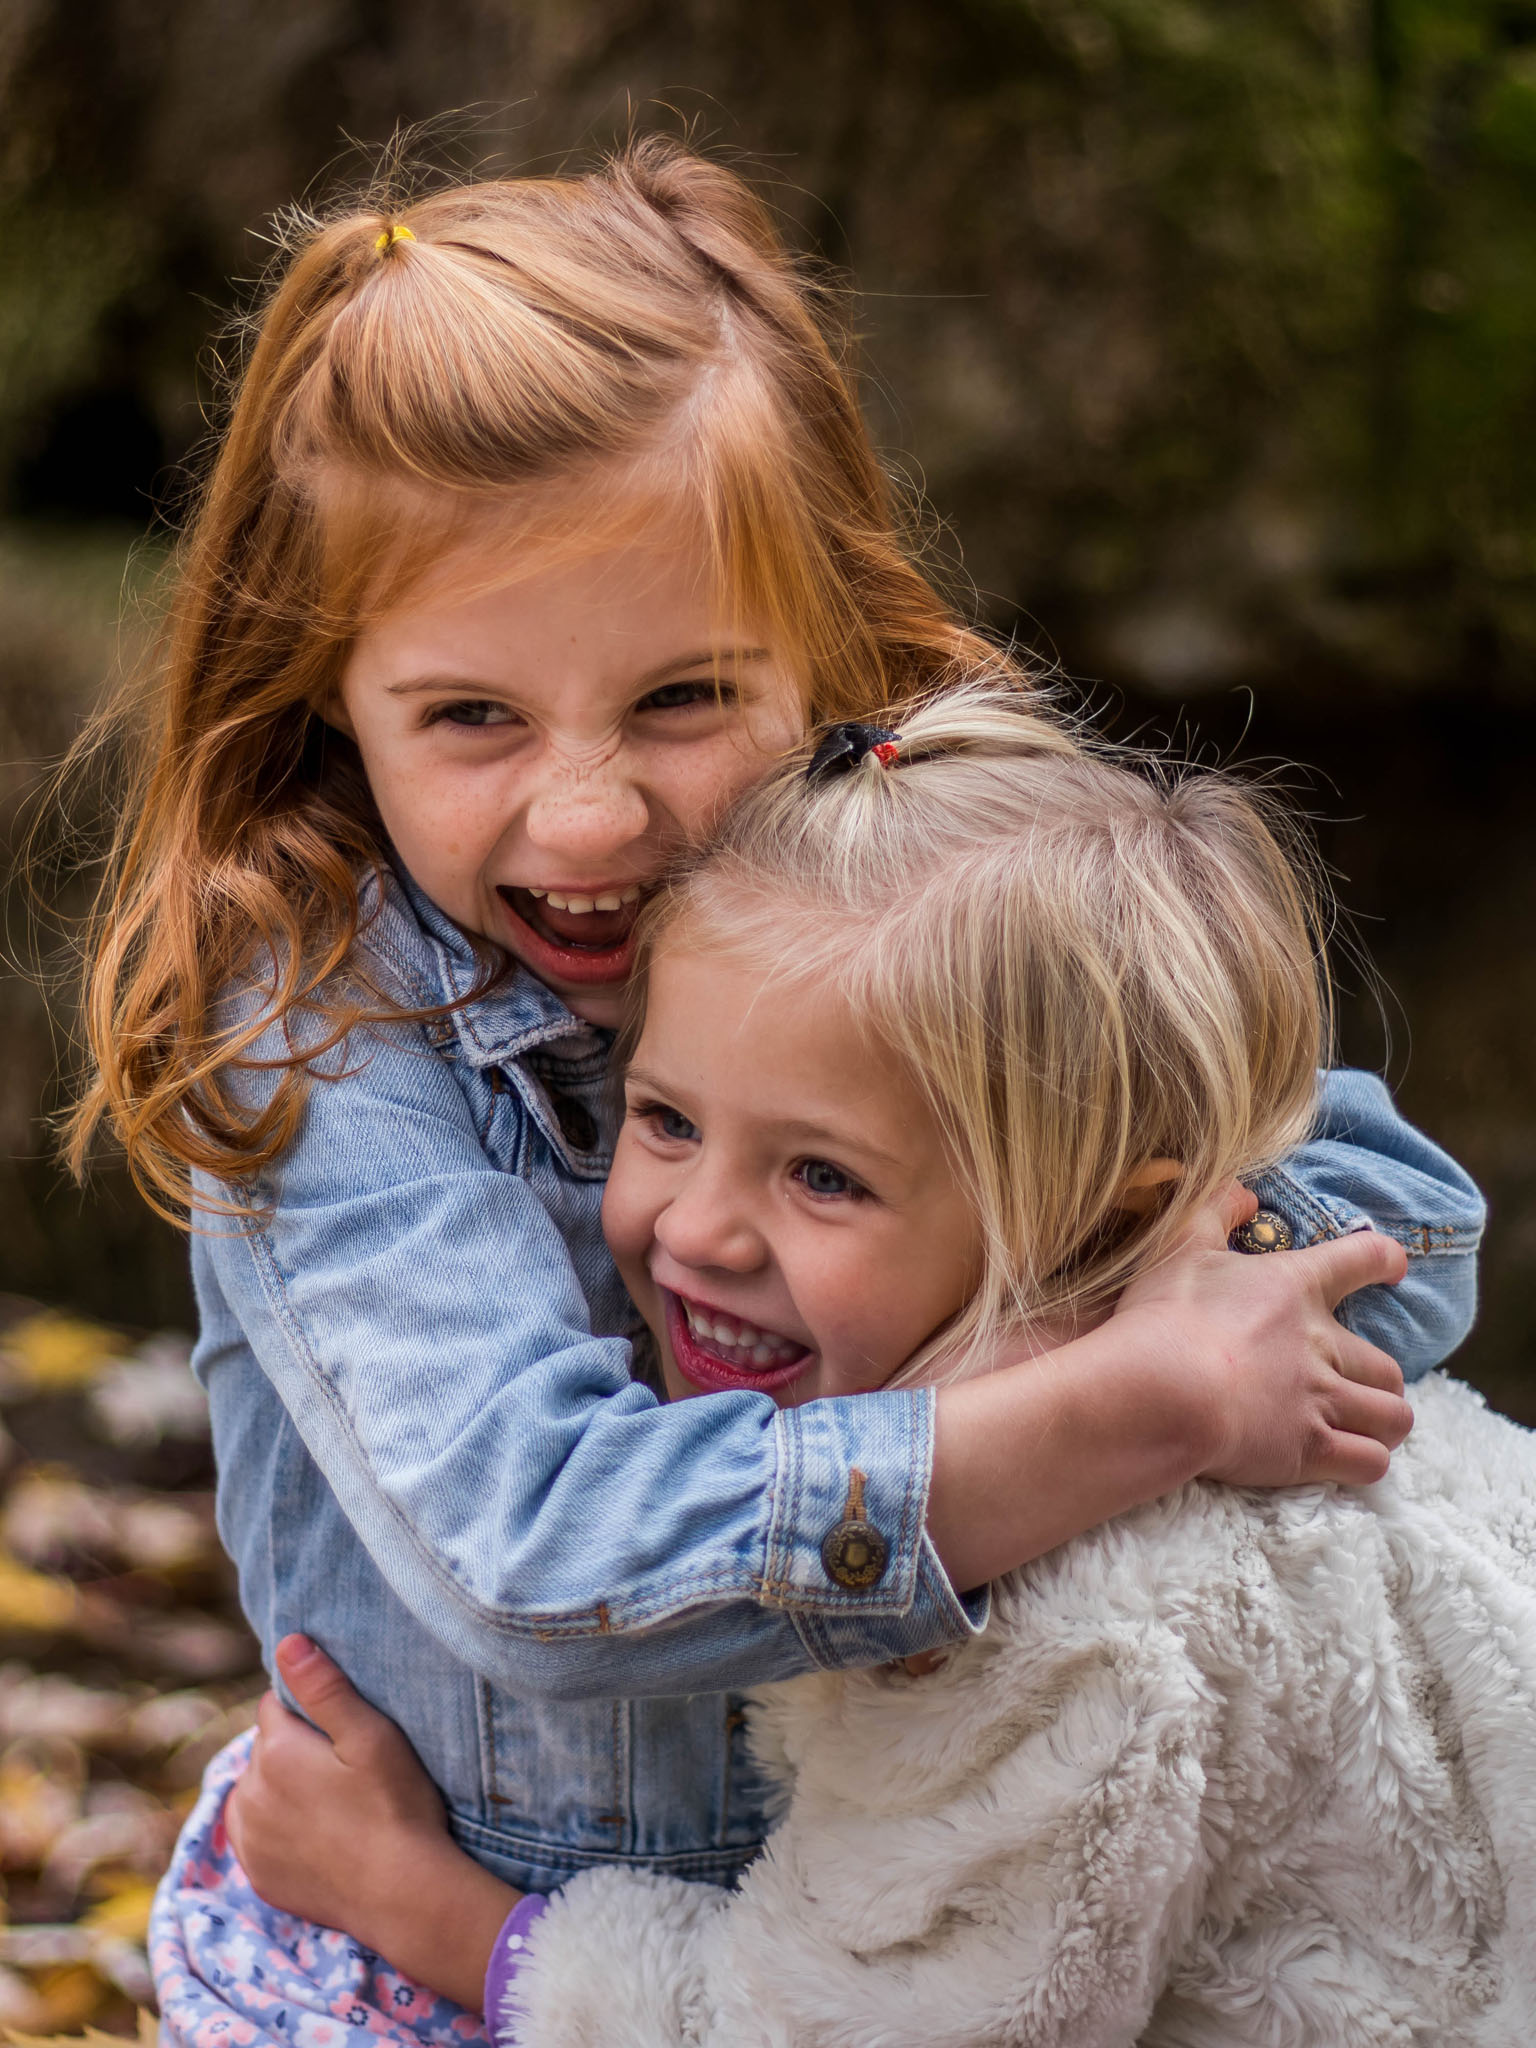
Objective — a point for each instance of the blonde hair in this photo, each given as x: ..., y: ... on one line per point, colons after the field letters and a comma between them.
x: 1088, y: 961
x: 455, y: 369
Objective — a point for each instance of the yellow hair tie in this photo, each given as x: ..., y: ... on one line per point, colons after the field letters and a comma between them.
x: 392, y: 234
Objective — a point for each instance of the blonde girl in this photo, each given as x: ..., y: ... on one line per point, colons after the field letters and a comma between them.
x: 543, y: 521
x: 1238, y: 1768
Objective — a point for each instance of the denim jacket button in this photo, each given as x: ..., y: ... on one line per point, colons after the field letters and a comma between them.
x: 854, y: 1554
x: 1263, y: 1232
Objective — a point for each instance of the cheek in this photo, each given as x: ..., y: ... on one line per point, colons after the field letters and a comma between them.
x: 631, y: 1203
x: 442, y: 818
x: 696, y: 790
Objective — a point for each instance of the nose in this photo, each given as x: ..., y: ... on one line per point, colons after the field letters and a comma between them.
x: 708, y: 1225
x: 583, y: 814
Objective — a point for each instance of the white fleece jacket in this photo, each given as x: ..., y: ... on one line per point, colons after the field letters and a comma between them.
x: 1238, y: 1768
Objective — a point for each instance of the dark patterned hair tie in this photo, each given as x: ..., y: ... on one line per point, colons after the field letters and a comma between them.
x: 843, y: 748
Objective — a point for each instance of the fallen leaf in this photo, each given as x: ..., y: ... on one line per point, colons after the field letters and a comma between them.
x: 34, y: 1601
x: 51, y: 1353
x: 126, y: 1912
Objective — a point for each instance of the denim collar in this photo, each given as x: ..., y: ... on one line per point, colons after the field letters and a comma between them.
x: 512, y: 1018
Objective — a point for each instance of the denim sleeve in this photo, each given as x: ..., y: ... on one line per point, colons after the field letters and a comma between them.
x: 548, y: 1519
x: 1364, y: 1165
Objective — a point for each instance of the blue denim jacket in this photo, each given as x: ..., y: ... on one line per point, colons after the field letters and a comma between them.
x: 434, y: 1459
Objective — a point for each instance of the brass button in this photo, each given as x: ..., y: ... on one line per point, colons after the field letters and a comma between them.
x: 1263, y: 1232
x: 854, y: 1555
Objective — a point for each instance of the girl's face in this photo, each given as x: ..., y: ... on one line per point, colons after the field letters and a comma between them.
x: 781, y: 1205
x: 540, y: 751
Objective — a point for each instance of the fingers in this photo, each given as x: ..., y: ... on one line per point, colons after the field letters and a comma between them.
x: 1369, y: 1411
x: 1235, y: 1205
x: 1353, y: 1461
x: 323, y: 1692
x: 1367, y: 1366
x: 270, y: 1715
x: 1362, y: 1259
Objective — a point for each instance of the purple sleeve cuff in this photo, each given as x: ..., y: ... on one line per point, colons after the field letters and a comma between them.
x: 502, y: 2010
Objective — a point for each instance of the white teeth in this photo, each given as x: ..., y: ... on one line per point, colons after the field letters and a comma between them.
x: 762, y: 1347
x: 612, y: 899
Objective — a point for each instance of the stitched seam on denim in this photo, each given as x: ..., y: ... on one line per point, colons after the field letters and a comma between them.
x: 581, y: 1621
x: 382, y: 942
x: 526, y: 1088
x: 792, y: 1452
x: 1452, y: 1239
x: 576, y: 1623
x: 554, y: 1856
x: 1433, y: 1240
x: 724, y: 1582
x: 918, y: 1470
x: 808, y: 1627
x: 1306, y: 1206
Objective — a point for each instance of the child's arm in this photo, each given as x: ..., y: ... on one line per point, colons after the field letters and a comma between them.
x: 418, y: 1314
x: 346, y: 1829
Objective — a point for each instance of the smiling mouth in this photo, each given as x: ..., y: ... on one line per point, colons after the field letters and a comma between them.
x: 586, y: 924
x: 717, y: 1352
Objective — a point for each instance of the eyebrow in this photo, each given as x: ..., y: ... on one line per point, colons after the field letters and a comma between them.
x: 794, y: 1127
x: 653, y: 678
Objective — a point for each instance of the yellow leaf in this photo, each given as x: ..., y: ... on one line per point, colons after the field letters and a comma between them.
x: 148, y: 2036
x: 126, y: 1913
x: 34, y: 1600
x: 69, y: 1995
x: 54, y: 1353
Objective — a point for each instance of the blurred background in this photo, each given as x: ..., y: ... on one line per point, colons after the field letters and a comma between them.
x: 1207, y: 328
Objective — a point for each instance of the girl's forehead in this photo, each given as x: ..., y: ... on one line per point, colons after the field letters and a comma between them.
x: 413, y: 548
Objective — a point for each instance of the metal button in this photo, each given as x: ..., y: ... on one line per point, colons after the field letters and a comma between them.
x: 1263, y: 1232
x: 854, y: 1554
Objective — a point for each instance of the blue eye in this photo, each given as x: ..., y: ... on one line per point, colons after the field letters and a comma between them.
x: 666, y: 1122
x: 681, y: 696
x: 821, y: 1177
x: 471, y: 711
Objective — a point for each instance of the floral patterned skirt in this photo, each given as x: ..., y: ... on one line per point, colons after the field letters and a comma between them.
x: 233, y: 1972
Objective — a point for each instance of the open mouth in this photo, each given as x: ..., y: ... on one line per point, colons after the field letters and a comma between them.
x: 717, y: 1352
x: 573, y: 937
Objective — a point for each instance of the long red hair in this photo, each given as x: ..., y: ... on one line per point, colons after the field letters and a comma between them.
x: 413, y: 376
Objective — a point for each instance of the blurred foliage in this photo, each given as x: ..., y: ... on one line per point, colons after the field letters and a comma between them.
x: 1210, y: 324
x: 124, y: 1663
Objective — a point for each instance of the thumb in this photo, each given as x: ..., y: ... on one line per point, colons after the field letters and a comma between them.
x: 1219, y: 1215
x: 322, y: 1691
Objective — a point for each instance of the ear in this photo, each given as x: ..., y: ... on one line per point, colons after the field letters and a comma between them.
x: 330, y: 706
x: 1138, y: 1192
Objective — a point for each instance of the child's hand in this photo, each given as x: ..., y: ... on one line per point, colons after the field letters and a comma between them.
x: 1286, y: 1394
x: 345, y: 1828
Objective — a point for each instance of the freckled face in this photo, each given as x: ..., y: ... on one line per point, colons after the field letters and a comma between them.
x: 781, y: 1205
x: 538, y: 752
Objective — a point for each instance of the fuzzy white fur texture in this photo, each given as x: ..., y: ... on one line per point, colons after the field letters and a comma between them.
x: 1238, y: 1770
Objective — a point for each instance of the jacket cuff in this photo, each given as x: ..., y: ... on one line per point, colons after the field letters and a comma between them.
x: 862, y: 1463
